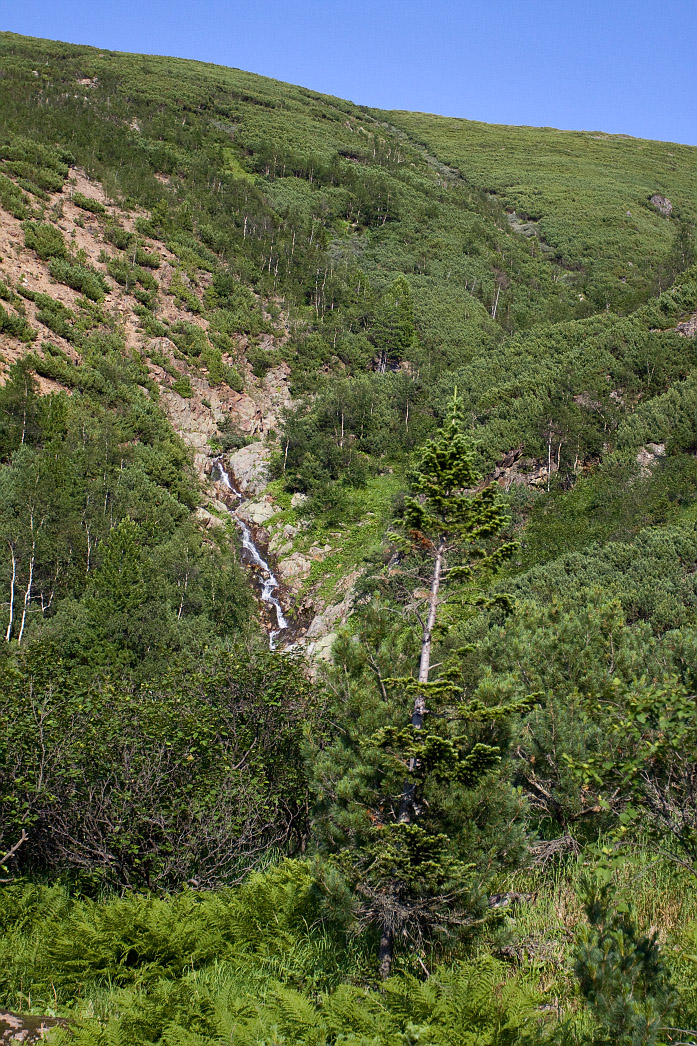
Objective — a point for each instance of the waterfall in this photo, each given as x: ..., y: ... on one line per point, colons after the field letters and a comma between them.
x: 269, y: 581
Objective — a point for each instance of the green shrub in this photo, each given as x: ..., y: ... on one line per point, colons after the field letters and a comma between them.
x: 46, y: 239
x: 17, y: 326
x: 151, y: 260
x: 48, y: 180
x: 179, y: 289
x: 232, y: 378
x: 12, y: 199
x: 151, y: 325
x: 189, y: 339
x: 27, y: 150
x: 6, y: 293
x: 120, y: 268
x: 262, y: 360
x: 30, y: 187
x: 183, y: 386
x: 116, y: 234
x: 80, y: 277
x: 93, y: 206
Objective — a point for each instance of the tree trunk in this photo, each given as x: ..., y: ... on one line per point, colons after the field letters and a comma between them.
x: 8, y: 634
x: 385, y: 952
x: 427, y: 635
x: 27, y: 598
x: 406, y: 805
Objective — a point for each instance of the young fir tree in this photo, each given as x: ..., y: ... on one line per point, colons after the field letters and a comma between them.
x: 621, y: 974
x: 412, y: 794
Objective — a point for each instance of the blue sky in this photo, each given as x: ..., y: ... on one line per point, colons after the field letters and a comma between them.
x: 618, y: 65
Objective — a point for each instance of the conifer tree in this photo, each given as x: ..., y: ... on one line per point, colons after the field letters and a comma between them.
x: 621, y: 974
x: 402, y: 803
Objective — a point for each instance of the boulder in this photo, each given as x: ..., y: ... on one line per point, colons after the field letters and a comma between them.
x: 321, y: 650
x: 257, y: 512
x: 207, y: 519
x: 295, y: 567
x: 250, y: 467
x: 662, y: 204
x: 647, y: 456
x: 24, y: 1028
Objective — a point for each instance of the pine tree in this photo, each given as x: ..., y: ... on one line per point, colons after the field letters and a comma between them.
x: 403, y: 793
x: 621, y: 974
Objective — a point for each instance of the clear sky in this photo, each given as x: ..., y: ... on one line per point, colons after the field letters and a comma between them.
x: 624, y: 66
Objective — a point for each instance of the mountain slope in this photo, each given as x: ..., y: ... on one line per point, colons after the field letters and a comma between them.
x: 250, y: 239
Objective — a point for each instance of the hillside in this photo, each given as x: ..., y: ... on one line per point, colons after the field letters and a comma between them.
x: 216, y: 284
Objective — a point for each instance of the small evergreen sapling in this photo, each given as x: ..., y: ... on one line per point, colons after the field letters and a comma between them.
x: 621, y: 974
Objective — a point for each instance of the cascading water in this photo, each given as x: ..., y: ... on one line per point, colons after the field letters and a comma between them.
x: 269, y: 581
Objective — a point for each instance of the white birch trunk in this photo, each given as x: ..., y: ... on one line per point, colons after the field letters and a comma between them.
x: 13, y: 581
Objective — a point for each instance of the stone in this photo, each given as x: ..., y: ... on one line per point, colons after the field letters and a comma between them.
x: 647, y: 456
x: 688, y: 328
x: 662, y: 204
x: 294, y: 567
x: 23, y: 1028
x: 207, y: 518
x: 321, y: 650
x: 257, y: 512
x: 297, y: 500
x: 250, y: 467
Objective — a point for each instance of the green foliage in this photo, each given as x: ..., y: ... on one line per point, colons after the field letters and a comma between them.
x: 204, y: 774
x: 116, y: 234
x: 16, y: 326
x: 622, y: 976
x: 86, y: 203
x: 202, y: 967
x: 405, y: 256
x: 182, y: 386
x: 12, y: 199
x: 180, y: 290
x: 47, y: 240
x: 80, y: 277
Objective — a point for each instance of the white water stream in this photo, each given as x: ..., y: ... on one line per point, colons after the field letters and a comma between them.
x: 269, y: 581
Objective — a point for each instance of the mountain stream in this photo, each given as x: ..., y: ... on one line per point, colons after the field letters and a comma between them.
x: 269, y: 581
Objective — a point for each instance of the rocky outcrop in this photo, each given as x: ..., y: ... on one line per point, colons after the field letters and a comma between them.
x: 648, y: 456
x: 688, y: 328
x: 250, y: 467
x: 513, y: 470
x: 207, y: 519
x: 662, y: 204
x: 26, y: 1028
x: 294, y: 569
x: 257, y: 512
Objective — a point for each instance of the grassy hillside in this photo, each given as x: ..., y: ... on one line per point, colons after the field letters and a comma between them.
x: 203, y: 841
x: 583, y: 198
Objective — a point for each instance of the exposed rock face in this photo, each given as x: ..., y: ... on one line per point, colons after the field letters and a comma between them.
x: 514, y: 469
x: 662, y: 204
x: 16, y: 1028
x: 648, y: 456
x: 294, y: 569
x: 321, y: 650
x: 207, y: 519
x: 250, y: 467
x: 257, y: 512
x: 688, y: 328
